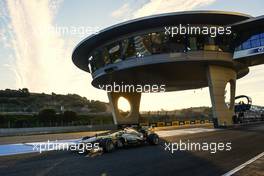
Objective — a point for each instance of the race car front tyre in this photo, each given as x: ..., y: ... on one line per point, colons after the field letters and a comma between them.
x: 120, y: 143
x: 153, y: 139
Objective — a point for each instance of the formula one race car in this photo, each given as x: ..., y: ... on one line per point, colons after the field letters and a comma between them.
x: 110, y: 141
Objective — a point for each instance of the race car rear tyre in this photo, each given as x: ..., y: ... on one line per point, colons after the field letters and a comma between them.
x: 153, y: 139
x: 107, y: 145
x: 120, y: 143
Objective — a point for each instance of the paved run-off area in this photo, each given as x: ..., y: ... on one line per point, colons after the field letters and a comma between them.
x: 246, y: 142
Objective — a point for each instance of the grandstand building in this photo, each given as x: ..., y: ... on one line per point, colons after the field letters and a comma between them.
x: 174, y: 51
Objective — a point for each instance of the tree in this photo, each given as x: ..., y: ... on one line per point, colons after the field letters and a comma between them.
x: 97, y: 106
x: 69, y: 116
x: 47, y: 115
x: 25, y: 92
x: 2, y: 119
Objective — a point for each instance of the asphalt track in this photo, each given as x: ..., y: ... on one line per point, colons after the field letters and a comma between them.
x: 247, y: 142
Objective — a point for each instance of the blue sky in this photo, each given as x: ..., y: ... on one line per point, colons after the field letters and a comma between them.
x: 42, y: 62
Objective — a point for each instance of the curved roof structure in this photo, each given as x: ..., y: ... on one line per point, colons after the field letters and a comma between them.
x: 140, y: 52
x: 85, y: 47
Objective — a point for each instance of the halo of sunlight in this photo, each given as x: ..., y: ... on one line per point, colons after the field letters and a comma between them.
x: 123, y: 104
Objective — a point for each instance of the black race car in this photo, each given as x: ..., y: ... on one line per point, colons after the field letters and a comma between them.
x: 110, y: 141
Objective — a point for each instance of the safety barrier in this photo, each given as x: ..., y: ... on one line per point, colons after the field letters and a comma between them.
x: 160, y: 124
x: 176, y: 123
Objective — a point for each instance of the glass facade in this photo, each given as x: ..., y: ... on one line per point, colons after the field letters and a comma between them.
x: 253, y: 42
x: 156, y: 43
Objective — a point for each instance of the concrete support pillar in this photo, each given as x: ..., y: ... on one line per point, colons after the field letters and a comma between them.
x: 218, y: 77
x: 134, y: 101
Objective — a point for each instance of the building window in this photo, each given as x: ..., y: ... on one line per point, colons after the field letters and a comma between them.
x: 255, y: 43
x: 223, y: 43
x: 175, y: 44
x: 246, y: 45
x: 210, y: 44
x: 106, y: 57
x: 200, y: 42
x: 142, y: 45
x: 114, y: 51
x: 97, y: 60
x: 262, y: 41
x: 192, y: 46
x: 254, y: 37
x: 157, y: 40
x: 128, y: 48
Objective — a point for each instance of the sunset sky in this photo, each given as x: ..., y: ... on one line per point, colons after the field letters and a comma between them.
x: 36, y: 55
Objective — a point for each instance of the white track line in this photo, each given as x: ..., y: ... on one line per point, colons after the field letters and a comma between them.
x: 243, y: 165
x: 22, y: 148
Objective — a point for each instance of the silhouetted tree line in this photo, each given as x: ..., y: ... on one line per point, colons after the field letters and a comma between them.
x: 14, y: 93
x: 23, y: 101
x: 97, y: 106
x: 49, y: 117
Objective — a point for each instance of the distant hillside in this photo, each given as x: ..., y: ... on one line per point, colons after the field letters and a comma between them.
x: 24, y: 101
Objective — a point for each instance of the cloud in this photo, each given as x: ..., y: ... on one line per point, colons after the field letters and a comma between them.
x: 124, y: 9
x: 2, y: 36
x: 42, y: 58
x: 36, y: 53
x: 54, y: 5
x: 157, y: 6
